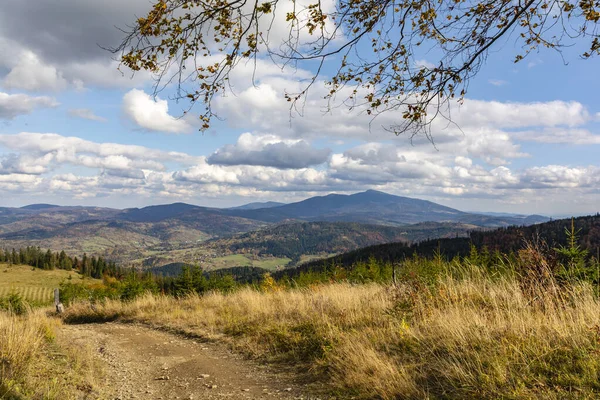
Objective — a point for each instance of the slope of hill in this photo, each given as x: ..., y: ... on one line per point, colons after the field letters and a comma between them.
x: 310, y: 238
x: 293, y: 240
x: 39, y: 206
x: 256, y: 206
x: 505, y: 240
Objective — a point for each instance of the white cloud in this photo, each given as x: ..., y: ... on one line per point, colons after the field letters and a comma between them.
x: 13, y: 105
x: 32, y: 74
x: 497, y: 82
x: 270, y: 151
x: 151, y: 114
x: 40, y: 152
x: 560, y: 176
x: 424, y: 64
x: 85, y: 114
x: 559, y: 136
x: 494, y: 114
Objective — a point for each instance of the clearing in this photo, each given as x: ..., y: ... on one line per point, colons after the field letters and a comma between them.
x: 240, y: 260
x: 143, y: 363
x: 34, y: 284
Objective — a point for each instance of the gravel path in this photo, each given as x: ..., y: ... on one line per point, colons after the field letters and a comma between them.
x: 143, y: 363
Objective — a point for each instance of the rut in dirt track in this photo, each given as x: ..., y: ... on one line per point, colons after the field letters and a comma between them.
x: 142, y: 363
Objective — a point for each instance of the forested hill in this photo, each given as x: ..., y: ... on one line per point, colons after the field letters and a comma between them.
x: 295, y: 240
x: 505, y: 240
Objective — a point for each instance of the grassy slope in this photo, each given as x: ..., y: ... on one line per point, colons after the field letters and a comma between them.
x: 35, y: 284
x: 469, y: 336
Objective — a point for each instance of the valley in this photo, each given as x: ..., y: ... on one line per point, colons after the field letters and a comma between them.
x: 267, y: 235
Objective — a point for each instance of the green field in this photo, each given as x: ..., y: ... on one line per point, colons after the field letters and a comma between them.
x: 34, y: 284
x: 240, y: 260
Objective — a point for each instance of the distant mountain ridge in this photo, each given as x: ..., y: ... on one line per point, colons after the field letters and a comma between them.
x: 179, y: 229
x: 375, y: 207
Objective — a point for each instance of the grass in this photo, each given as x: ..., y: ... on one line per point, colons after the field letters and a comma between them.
x: 469, y: 334
x: 35, y: 285
x: 240, y: 260
x: 36, y: 362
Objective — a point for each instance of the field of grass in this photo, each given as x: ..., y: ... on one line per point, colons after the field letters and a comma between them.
x: 468, y: 334
x: 33, y: 284
x: 36, y: 362
x: 240, y: 260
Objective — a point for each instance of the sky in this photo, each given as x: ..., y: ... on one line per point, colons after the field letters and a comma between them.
x: 75, y: 130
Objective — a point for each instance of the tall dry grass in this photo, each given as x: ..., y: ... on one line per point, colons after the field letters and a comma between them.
x: 476, y: 336
x: 36, y: 363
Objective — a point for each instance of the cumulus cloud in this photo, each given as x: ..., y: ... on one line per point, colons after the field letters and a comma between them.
x: 270, y: 151
x: 560, y: 176
x: 85, y: 114
x: 152, y: 114
x: 32, y: 74
x: 265, y: 178
x: 13, y: 105
x: 41, y: 152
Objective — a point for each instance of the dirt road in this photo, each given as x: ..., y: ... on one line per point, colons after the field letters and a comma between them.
x: 142, y: 363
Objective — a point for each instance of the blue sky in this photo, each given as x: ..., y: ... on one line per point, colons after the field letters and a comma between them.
x: 73, y: 130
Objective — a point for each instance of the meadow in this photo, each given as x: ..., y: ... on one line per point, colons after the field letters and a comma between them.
x: 446, y: 330
x: 33, y: 284
x: 240, y: 260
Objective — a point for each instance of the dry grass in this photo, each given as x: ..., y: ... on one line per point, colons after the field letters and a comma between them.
x: 37, y: 363
x: 474, y: 337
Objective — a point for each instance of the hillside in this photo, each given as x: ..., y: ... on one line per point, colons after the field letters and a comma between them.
x: 504, y: 240
x: 294, y: 240
x: 258, y: 205
x: 34, y: 284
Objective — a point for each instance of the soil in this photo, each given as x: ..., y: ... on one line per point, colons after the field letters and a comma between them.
x: 143, y: 363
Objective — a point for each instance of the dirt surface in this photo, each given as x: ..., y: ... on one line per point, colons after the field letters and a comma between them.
x: 143, y: 363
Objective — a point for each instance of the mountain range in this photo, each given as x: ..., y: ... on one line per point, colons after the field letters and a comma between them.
x: 172, y: 232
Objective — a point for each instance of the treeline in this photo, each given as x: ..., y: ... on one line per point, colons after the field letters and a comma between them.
x: 95, y: 267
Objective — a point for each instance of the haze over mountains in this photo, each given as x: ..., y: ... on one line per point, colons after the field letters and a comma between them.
x: 174, y: 231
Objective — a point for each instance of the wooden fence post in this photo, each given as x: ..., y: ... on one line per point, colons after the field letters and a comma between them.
x: 59, y: 307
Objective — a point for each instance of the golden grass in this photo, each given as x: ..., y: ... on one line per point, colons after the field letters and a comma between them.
x: 36, y: 362
x: 474, y: 337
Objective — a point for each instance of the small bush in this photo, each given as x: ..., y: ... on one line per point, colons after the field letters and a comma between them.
x: 14, y: 303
